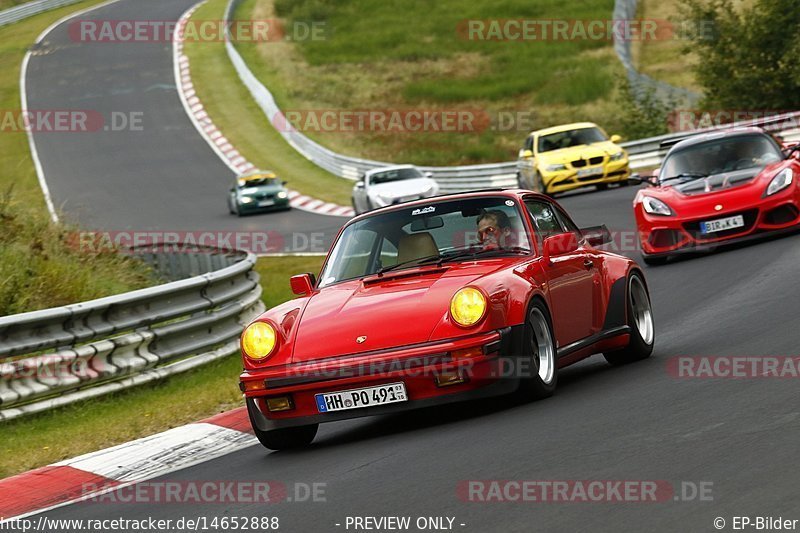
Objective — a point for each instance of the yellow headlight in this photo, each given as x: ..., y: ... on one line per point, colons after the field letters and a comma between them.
x: 258, y: 340
x: 468, y: 306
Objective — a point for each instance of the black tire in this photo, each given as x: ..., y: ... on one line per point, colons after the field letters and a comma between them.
x: 601, y: 186
x: 230, y: 208
x: 355, y: 209
x: 655, y: 261
x: 539, y: 338
x: 640, y: 319
x: 284, y: 438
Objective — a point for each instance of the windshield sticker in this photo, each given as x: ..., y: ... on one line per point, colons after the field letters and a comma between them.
x: 510, y: 203
x: 423, y: 211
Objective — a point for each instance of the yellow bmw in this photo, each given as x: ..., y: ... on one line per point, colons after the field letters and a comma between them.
x: 563, y: 158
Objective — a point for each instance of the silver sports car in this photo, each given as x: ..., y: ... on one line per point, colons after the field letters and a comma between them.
x: 392, y: 185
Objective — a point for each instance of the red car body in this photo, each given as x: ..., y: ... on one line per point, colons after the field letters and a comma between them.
x: 397, y: 328
x: 714, y: 198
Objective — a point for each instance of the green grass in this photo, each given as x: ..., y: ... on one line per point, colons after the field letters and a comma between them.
x: 665, y: 60
x: 59, y: 434
x: 409, y: 55
x: 234, y: 112
x: 276, y: 271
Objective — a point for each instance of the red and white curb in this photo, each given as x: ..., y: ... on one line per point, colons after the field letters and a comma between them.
x: 214, y: 137
x: 98, y: 472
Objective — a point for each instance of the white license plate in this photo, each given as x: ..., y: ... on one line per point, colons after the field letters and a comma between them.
x: 722, y: 224
x: 584, y: 172
x: 266, y: 203
x: 356, y: 398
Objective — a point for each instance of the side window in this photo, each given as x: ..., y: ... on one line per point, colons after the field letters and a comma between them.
x: 544, y: 218
x: 567, y: 222
x: 529, y: 143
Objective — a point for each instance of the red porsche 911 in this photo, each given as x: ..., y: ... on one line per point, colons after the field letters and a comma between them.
x: 441, y: 300
x: 715, y: 188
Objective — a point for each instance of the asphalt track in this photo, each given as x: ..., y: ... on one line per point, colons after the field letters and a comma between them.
x: 159, y: 175
x: 631, y: 423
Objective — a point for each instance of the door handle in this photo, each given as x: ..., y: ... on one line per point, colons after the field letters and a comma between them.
x: 588, y: 263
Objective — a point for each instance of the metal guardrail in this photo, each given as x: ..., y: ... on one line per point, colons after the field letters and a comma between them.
x: 643, y: 153
x: 92, y: 348
x: 29, y: 9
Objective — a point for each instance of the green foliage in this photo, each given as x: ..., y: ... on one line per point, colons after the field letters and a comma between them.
x: 42, y: 265
x: 643, y: 114
x: 750, y: 58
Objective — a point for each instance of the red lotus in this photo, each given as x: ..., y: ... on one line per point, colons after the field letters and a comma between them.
x: 715, y: 188
x: 441, y: 300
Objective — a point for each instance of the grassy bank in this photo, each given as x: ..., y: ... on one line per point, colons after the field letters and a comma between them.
x: 233, y: 110
x: 415, y: 55
x: 81, y: 428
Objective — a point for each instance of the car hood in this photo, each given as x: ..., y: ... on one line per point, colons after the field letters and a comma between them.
x: 566, y: 155
x: 399, y: 309
x: 718, y: 182
x: 401, y: 188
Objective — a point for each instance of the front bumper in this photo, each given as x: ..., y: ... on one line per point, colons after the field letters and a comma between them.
x: 665, y: 236
x: 280, y: 204
x: 494, y: 372
x: 567, y: 180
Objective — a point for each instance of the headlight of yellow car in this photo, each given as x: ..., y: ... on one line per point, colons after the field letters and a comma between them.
x: 258, y: 340
x: 468, y: 306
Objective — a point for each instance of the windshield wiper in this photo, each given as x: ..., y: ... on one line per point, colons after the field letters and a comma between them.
x: 418, y: 261
x: 483, y: 252
x: 453, y: 255
x: 690, y: 175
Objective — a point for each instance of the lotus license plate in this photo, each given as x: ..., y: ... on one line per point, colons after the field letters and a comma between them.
x: 722, y: 224
x: 266, y: 203
x: 357, y: 398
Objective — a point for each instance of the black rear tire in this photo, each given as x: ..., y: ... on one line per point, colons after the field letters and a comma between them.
x: 539, y: 345
x: 601, y: 186
x: 640, y: 320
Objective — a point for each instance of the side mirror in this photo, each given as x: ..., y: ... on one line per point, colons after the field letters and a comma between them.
x: 526, y: 154
x: 428, y: 174
x: 615, y: 138
x: 302, y: 284
x: 359, y: 185
x: 636, y: 179
x: 560, y: 244
x: 284, y: 183
x: 596, y: 235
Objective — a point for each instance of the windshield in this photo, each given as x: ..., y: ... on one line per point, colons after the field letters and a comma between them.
x: 257, y: 182
x: 566, y: 139
x: 397, y: 174
x: 722, y: 155
x: 402, y: 238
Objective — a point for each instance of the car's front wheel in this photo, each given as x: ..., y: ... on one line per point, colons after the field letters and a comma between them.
x: 539, y: 354
x: 640, y: 320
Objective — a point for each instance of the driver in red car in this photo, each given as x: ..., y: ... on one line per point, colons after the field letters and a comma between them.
x: 494, y: 230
